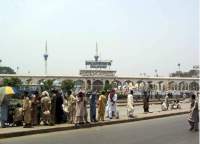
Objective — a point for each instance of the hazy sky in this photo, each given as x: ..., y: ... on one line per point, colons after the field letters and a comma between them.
x: 138, y: 35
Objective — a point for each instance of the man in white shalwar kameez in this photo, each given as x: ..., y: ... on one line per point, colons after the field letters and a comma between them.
x: 112, y: 107
x: 130, y: 104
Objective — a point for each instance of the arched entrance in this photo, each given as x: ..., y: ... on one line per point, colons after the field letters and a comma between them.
x: 79, y: 84
x: 97, y: 85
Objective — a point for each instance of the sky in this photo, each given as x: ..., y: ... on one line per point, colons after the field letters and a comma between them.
x: 138, y: 35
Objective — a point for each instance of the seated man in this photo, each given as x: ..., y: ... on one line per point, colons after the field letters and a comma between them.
x: 164, y: 106
x: 18, y: 116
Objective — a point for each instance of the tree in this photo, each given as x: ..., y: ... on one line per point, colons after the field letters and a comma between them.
x: 107, y: 86
x: 14, y: 82
x: 190, y: 73
x: 48, y: 84
x: 67, y: 85
x: 7, y: 70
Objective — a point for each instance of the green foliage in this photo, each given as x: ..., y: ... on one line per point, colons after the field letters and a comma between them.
x: 107, y: 87
x: 67, y: 85
x: 48, y: 84
x: 14, y: 82
x: 191, y: 73
x: 7, y: 70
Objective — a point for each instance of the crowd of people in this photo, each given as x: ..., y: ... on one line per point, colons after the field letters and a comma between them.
x: 54, y: 107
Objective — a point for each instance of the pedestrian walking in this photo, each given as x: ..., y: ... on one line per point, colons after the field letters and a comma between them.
x: 130, y: 104
x: 101, y: 106
x: 167, y: 100
x: 4, y: 111
x: 145, y: 101
x: 193, y: 118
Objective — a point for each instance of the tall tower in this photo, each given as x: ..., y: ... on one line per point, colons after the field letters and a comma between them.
x: 96, y: 57
x: 45, y: 59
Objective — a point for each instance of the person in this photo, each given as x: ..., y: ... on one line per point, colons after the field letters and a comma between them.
x: 38, y: 107
x: 59, y: 108
x: 112, y: 106
x: 193, y: 118
x: 27, y: 107
x: 167, y: 100
x: 71, y: 106
x: 53, y: 106
x: 93, y: 106
x: 163, y: 106
x: 34, y: 110
x: 85, y: 103
x: 79, y: 109
x: 101, y: 106
x: 130, y: 104
x: 4, y: 111
x: 46, y: 107
x: 145, y: 101
x: 178, y: 104
x: 65, y: 109
x: 18, y: 115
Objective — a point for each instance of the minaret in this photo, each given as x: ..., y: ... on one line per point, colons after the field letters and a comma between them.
x: 96, y: 57
x: 45, y: 59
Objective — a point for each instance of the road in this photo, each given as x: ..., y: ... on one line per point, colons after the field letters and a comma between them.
x: 169, y: 130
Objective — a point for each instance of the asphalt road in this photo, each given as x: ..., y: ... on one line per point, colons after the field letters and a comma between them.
x: 169, y: 130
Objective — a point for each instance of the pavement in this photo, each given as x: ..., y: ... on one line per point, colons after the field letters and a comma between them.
x: 168, y: 130
x: 155, y: 112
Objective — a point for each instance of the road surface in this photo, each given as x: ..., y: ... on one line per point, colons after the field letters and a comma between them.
x: 169, y: 130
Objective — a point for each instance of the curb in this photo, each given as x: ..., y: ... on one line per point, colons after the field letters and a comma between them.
x: 63, y: 128
x: 139, y: 104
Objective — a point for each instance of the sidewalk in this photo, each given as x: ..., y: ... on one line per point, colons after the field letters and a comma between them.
x: 139, y: 115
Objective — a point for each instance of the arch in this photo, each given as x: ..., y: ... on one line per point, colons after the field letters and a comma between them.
x: 116, y: 84
x: 194, y: 86
x: 182, y: 86
x: 97, y: 85
x: 127, y: 84
x: 89, y: 85
x: 79, y: 84
x: 172, y: 85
